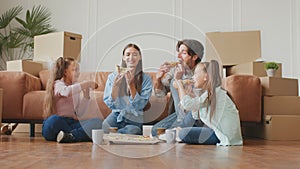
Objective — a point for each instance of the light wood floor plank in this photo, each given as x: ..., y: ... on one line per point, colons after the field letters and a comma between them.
x: 21, y: 151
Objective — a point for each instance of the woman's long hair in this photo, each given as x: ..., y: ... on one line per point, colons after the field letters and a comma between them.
x: 214, y: 81
x: 57, y: 73
x: 138, y: 75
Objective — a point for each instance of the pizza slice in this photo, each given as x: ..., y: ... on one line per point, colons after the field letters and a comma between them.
x: 173, y: 64
x: 187, y: 81
x: 122, y: 70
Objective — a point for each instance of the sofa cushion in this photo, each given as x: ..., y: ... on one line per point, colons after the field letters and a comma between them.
x: 246, y: 93
x: 98, y: 77
x: 15, y: 85
x: 34, y: 112
x: 33, y: 105
x: 101, y: 78
x: 104, y: 110
x: 158, y: 110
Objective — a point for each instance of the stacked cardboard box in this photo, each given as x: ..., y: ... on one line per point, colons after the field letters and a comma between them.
x: 251, y: 68
x: 233, y: 48
x: 49, y: 47
x: 281, y: 103
x: 281, y: 111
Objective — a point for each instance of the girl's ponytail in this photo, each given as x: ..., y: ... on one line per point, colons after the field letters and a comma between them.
x: 215, y: 81
x: 56, y: 73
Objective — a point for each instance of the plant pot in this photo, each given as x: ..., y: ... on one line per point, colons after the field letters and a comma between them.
x: 271, y: 72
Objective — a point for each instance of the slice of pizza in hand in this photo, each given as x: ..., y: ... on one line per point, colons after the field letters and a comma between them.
x: 187, y: 82
x: 122, y: 70
x: 173, y: 64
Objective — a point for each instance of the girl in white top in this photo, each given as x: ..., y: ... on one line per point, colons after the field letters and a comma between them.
x: 213, y: 117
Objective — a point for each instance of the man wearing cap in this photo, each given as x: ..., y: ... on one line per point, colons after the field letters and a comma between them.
x: 190, y: 52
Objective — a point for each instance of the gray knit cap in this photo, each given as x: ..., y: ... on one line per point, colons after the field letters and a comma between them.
x: 194, y: 45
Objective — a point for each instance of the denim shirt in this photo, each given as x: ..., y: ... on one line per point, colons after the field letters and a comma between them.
x: 131, y: 108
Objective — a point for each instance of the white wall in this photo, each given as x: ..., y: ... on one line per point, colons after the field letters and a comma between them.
x: 156, y: 25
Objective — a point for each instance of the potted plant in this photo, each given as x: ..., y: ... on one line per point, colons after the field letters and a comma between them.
x: 271, y: 68
x: 16, y: 39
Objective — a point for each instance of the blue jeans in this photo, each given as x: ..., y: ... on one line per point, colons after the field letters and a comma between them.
x: 198, y: 135
x: 125, y: 127
x: 81, y: 130
x: 195, y: 132
x: 189, y: 121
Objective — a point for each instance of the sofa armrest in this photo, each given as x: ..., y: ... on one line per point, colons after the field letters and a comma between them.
x: 246, y: 93
x: 15, y: 85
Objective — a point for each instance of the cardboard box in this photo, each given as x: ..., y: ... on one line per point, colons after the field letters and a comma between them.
x: 275, y: 86
x: 46, y: 65
x: 24, y: 66
x: 251, y: 68
x: 1, y: 105
x: 51, y: 46
x: 281, y: 105
x: 274, y: 127
x: 233, y: 47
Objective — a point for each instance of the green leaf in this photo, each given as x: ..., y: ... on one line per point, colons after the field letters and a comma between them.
x: 21, y: 36
x: 37, y: 22
x: 9, y: 15
x: 271, y: 65
x: 15, y: 40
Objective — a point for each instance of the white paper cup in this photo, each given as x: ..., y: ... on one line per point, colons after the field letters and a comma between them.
x: 170, y: 136
x: 147, y: 130
x: 97, y: 136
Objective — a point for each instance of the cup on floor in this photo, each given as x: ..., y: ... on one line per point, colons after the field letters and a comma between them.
x: 147, y: 130
x: 170, y: 136
x: 97, y: 136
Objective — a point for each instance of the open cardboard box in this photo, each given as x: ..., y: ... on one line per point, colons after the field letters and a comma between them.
x: 25, y: 66
x: 233, y: 48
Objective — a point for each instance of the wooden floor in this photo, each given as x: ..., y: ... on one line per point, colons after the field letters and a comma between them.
x: 21, y: 151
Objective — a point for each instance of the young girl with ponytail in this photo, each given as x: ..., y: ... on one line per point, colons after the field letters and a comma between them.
x: 62, y: 104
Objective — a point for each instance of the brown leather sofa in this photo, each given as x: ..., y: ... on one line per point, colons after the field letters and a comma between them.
x: 15, y: 85
x: 23, y: 97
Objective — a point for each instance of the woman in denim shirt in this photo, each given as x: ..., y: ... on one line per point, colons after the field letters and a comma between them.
x: 127, y: 93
